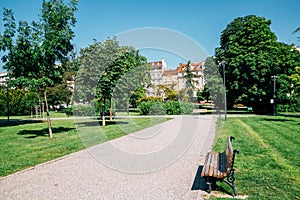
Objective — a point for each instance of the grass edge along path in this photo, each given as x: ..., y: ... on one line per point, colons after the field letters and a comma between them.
x: 24, y: 145
x: 262, y: 170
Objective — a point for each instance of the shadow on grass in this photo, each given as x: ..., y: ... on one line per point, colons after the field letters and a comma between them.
x: 43, y: 132
x: 99, y: 123
x: 16, y: 122
x: 278, y: 120
x: 200, y: 184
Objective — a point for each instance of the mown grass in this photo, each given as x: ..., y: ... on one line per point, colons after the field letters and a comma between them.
x: 26, y: 144
x: 268, y: 166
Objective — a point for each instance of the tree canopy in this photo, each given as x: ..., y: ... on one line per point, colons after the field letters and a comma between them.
x: 109, y: 71
x: 36, y: 54
x: 253, y: 55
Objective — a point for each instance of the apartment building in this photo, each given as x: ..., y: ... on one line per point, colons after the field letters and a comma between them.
x: 175, y: 78
x: 3, y: 78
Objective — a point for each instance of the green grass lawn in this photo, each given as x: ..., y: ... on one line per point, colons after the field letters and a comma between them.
x: 24, y: 145
x: 268, y: 166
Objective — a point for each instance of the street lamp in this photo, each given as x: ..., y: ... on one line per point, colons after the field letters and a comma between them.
x: 7, y: 98
x: 273, y: 101
x: 223, y: 63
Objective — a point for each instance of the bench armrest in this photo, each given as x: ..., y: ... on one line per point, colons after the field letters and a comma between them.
x: 236, y: 151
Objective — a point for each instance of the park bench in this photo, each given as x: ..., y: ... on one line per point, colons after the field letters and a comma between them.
x: 219, y: 166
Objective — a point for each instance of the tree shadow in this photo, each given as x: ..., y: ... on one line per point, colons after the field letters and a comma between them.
x: 99, y: 123
x: 279, y: 120
x: 43, y: 132
x: 16, y: 122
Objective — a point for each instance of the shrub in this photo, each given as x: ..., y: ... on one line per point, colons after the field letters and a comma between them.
x: 172, y: 108
x: 169, y: 108
x: 151, y: 98
x: 186, y: 108
x: 20, y: 101
x: 84, y: 110
x: 151, y: 107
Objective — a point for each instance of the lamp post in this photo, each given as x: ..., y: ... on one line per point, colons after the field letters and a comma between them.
x: 274, y: 94
x: 225, y: 98
x: 7, y: 98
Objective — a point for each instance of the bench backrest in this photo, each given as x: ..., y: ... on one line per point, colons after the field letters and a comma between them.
x: 228, y: 155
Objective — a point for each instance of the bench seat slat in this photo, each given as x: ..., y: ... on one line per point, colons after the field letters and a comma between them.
x: 215, y: 164
x: 205, y: 170
x: 218, y: 166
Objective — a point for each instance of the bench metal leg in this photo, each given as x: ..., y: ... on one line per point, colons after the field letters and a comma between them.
x: 211, y: 183
x: 230, y: 181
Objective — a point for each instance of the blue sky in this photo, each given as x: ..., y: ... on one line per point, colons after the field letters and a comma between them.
x: 200, y: 20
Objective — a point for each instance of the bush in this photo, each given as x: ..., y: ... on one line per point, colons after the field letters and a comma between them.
x: 151, y: 107
x: 186, y: 108
x: 172, y: 108
x: 151, y: 98
x: 20, y: 101
x: 84, y: 110
x: 169, y: 108
x: 293, y: 107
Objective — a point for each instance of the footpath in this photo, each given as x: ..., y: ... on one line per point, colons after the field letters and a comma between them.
x: 160, y: 162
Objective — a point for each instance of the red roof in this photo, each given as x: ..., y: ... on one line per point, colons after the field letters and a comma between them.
x: 195, y: 66
x: 156, y: 64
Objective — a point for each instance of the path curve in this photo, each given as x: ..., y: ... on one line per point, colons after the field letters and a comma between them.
x: 82, y: 176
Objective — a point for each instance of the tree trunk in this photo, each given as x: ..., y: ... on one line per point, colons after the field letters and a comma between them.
x: 48, y: 116
x: 103, y: 111
x: 36, y: 112
x: 110, y: 110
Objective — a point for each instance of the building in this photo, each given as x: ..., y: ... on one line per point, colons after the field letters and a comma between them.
x: 157, y: 70
x: 174, y: 79
x: 197, y: 69
x: 3, y: 78
x: 170, y: 79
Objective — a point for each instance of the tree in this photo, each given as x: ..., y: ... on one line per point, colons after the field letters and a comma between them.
x: 190, y: 80
x: 92, y: 63
x: 253, y: 55
x: 205, y: 93
x: 167, y: 92
x: 58, y: 94
x: 110, y: 72
x: 214, y: 84
x: 32, y: 59
x: 295, y: 78
x: 124, y: 75
x: 139, y: 93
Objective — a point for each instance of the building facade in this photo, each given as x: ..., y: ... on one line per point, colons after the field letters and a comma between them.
x: 157, y: 70
x: 3, y: 78
x: 198, y: 80
x: 175, y: 79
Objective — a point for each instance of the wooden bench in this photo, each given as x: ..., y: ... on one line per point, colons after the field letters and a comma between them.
x: 219, y: 166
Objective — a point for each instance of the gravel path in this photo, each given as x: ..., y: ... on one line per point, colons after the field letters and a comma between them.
x: 160, y: 162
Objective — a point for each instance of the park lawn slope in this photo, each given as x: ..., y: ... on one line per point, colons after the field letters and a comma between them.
x: 268, y: 166
x: 24, y: 145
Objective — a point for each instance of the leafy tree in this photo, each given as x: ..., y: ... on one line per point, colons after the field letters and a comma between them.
x: 58, y: 94
x: 214, y: 84
x: 139, y: 93
x: 20, y: 101
x: 92, y: 63
x: 295, y: 78
x: 190, y: 80
x: 204, y: 94
x: 124, y: 75
x: 109, y: 71
x: 32, y: 58
x: 253, y: 55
